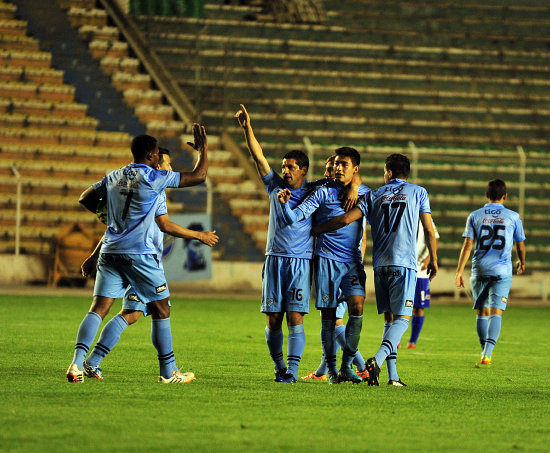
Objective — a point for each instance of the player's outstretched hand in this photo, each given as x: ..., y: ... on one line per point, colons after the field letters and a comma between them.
x: 520, y: 267
x: 209, y: 238
x: 201, y: 141
x: 459, y: 280
x: 88, y: 267
x: 242, y: 117
x: 284, y: 195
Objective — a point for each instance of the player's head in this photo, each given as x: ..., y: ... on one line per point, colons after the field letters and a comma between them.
x: 397, y: 166
x: 165, y: 162
x: 496, y: 190
x: 346, y: 164
x: 329, y: 167
x: 145, y: 150
x: 295, y: 167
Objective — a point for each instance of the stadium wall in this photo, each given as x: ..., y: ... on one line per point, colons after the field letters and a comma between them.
x: 240, y: 278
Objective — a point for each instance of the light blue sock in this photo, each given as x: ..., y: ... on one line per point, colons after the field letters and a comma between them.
x: 107, y: 340
x: 481, y: 327
x: 85, y: 337
x: 274, y: 340
x: 391, y: 360
x: 391, y: 339
x: 327, y: 341
x: 339, y: 338
x: 353, y: 334
x: 161, y: 336
x: 295, y: 347
x: 493, y: 332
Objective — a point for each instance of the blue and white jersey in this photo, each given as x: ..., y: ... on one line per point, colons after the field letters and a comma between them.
x: 293, y: 241
x: 132, y: 196
x: 494, y: 230
x: 158, y: 236
x: 344, y: 244
x: 393, y: 212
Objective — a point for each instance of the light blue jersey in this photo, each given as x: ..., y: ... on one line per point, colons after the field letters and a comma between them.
x: 393, y: 212
x: 293, y: 241
x: 494, y: 230
x: 341, y: 245
x: 132, y: 196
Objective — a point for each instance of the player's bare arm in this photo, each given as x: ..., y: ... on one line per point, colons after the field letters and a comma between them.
x: 254, y: 147
x: 284, y: 195
x: 89, y: 199
x: 467, y: 247
x: 431, y: 243
x: 198, y: 175
x: 89, y: 265
x: 350, y: 193
x: 165, y: 225
x: 520, y: 249
x: 338, y: 222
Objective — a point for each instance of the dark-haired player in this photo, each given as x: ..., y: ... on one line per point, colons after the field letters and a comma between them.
x: 494, y: 229
x: 128, y: 252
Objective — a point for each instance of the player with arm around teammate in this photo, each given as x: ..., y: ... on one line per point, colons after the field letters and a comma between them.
x: 128, y: 253
x: 393, y: 212
x: 338, y: 262
x: 286, y: 276
x: 132, y: 307
x: 491, y: 232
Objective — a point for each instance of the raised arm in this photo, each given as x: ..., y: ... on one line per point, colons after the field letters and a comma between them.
x: 253, y: 145
x: 431, y: 243
x: 167, y: 226
x: 198, y: 175
x: 520, y: 249
x: 338, y: 222
x: 467, y: 247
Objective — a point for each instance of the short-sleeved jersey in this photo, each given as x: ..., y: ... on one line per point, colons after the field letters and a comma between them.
x: 132, y: 199
x: 393, y: 212
x: 422, y: 250
x: 344, y: 244
x: 293, y: 241
x: 494, y: 230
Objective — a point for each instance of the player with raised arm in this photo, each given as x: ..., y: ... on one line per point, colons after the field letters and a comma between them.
x: 132, y: 307
x: 393, y: 212
x: 286, y: 277
x: 128, y: 253
x: 493, y: 229
x: 338, y: 262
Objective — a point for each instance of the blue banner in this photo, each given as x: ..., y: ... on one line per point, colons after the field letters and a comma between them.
x: 186, y: 259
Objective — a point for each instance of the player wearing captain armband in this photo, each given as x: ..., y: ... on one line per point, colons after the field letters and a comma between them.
x: 491, y: 232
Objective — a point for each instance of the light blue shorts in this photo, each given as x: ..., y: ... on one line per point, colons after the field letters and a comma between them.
x: 341, y: 309
x: 144, y: 273
x: 490, y: 291
x: 422, y: 293
x: 394, y: 287
x: 331, y: 276
x: 286, y: 284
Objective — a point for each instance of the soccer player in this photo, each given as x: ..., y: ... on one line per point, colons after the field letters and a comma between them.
x: 132, y: 307
x: 422, y: 292
x: 340, y: 329
x: 128, y: 253
x: 393, y: 212
x: 494, y: 229
x: 286, y: 277
x: 338, y: 262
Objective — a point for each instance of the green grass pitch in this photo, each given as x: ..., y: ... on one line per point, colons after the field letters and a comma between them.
x: 234, y: 405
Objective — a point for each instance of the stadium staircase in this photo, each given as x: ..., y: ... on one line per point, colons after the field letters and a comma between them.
x: 54, y: 143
